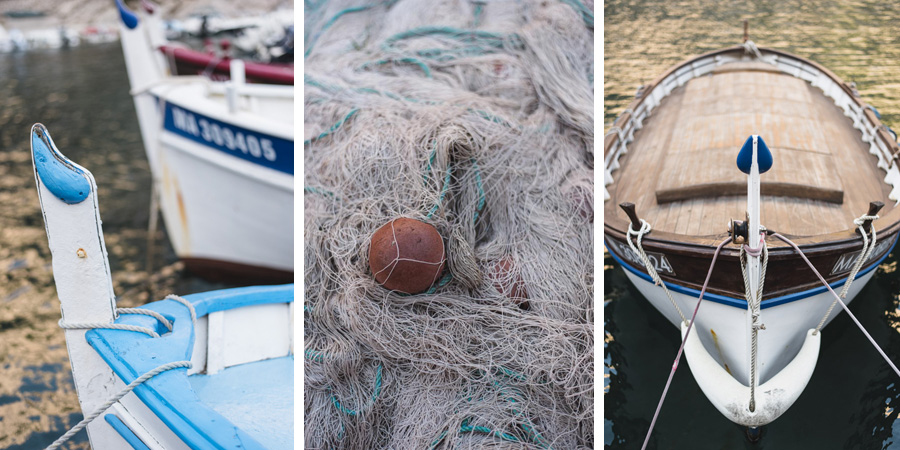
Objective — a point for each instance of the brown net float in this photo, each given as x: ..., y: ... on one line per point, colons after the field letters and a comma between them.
x: 507, y: 280
x: 406, y: 255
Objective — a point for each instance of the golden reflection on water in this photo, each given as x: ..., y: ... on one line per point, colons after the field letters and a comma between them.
x: 82, y: 96
x: 858, y: 40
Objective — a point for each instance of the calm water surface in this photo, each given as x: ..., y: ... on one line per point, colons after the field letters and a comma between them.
x: 81, y: 95
x: 853, y: 397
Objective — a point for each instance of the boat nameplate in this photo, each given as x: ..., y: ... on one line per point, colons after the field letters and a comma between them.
x: 845, y: 262
x: 265, y: 150
x: 659, y: 261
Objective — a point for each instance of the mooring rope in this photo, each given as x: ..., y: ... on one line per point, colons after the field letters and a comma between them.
x: 864, y: 255
x: 639, y: 249
x: 684, y: 341
x: 750, y: 47
x: 138, y: 381
x: 753, y: 304
x: 838, y: 299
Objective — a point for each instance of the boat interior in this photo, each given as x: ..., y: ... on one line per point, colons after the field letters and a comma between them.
x: 823, y: 175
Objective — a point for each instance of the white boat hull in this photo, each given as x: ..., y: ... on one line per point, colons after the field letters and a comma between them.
x: 219, y: 209
x: 723, y: 328
x: 222, y: 157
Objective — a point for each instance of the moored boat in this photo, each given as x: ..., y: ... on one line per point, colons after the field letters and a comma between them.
x: 832, y: 190
x: 221, y: 153
x: 209, y: 370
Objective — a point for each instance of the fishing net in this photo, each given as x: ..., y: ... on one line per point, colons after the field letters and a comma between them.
x: 477, y: 118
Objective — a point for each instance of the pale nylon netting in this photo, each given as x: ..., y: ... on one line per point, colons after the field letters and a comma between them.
x: 475, y: 117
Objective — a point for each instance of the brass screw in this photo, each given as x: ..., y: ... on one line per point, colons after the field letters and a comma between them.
x: 81, y: 253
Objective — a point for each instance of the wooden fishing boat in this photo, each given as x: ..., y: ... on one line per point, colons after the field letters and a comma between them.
x: 224, y: 358
x: 221, y: 153
x: 835, y: 165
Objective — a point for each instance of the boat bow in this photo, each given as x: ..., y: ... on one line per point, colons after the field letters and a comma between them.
x: 732, y: 398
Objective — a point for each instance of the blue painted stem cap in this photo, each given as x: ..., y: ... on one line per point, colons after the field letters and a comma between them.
x: 763, y: 156
x: 129, y: 18
x: 61, y: 177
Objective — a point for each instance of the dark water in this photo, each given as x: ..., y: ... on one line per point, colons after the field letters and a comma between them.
x: 81, y: 95
x: 851, y: 401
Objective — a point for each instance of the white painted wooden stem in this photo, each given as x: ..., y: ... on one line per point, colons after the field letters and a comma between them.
x: 753, y: 261
x: 83, y: 284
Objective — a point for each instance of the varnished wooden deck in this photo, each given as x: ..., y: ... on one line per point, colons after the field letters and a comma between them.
x: 680, y: 171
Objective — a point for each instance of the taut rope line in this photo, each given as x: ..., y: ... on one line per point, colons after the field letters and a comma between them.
x: 684, y: 340
x: 838, y: 299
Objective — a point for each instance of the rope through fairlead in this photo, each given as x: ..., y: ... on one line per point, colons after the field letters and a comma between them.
x: 864, y: 255
x: 684, y: 340
x: 639, y: 249
x: 138, y: 381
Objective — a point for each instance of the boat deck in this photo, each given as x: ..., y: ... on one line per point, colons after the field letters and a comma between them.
x: 680, y: 171
x: 256, y: 397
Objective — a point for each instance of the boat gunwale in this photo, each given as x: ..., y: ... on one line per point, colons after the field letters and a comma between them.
x: 130, y: 354
x: 708, y: 242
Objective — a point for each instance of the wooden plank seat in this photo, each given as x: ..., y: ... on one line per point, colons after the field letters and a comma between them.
x: 714, y: 176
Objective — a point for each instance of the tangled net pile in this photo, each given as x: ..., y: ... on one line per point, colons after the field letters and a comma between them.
x: 475, y: 117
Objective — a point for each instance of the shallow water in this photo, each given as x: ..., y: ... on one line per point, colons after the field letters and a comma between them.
x: 851, y: 400
x: 81, y: 95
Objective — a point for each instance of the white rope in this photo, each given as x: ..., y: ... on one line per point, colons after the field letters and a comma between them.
x: 108, y: 326
x: 84, y: 422
x: 119, y: 326
x: 645, y: 228
x: 750, y: 47
x: 186, y: 303
x: 754, y: 306
x: 147, y: 312
x: 864, y: 254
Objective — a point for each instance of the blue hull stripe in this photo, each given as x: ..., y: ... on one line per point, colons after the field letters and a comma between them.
x: 262, y: 149
x: 741, y: 303
x: 135, y: 442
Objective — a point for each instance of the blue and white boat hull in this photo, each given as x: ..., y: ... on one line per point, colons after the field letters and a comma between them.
x: 222, y: 157
x: 224, y: 358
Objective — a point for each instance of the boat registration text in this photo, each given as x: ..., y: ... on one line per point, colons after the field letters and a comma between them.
x: 847, y: 260
x: 659, y: 261
x: 269, y: 151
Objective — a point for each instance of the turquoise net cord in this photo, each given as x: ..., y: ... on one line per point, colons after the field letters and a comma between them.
x: 331, y: 22
x: 586, y: 14
x: 320, y: 191
x: 376, y: 392
x: 319, y: 356
x: 528, y: 427
x: 332, y: 129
